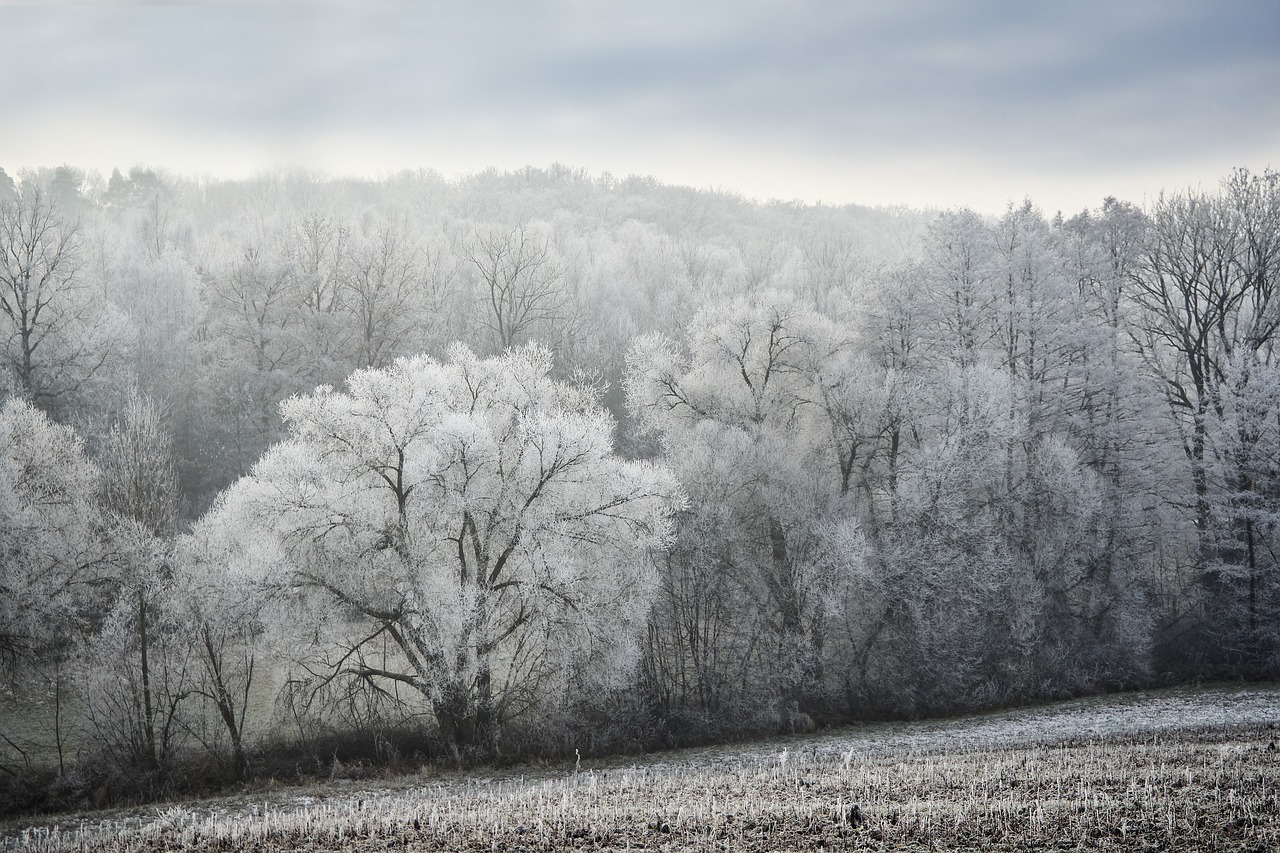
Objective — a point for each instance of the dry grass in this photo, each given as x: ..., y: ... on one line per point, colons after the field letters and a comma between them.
x: 1212, y: 786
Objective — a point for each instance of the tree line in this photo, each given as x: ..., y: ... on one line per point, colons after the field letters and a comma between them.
x: 539, y: 461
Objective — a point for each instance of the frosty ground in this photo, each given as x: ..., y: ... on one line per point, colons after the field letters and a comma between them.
x: 1183, y: 769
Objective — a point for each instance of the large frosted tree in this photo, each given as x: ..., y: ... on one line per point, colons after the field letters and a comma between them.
x: 473, y: 513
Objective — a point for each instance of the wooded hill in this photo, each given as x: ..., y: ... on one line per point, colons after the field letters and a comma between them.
x: 544, y: 460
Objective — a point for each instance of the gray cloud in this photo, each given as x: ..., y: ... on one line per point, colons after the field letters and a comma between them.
x: 1020, y: 89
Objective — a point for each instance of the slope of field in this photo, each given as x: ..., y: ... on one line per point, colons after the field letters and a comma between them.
x: 1187, y: 769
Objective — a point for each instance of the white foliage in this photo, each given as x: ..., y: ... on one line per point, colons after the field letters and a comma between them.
x: 475, y: 508
x: 53, y: 570
x: 767, y: 421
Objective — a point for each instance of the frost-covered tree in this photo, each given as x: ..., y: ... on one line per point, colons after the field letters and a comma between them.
x: 55, y: 572
x: 520, y: 280
x: 1245, y: 510
x: 976, y: 609
x: 831, y: 264
x: 55, y: 576
x: 56, y: 328
x: 222, y: 628
x: 755, y: 417
x: 473, y: 513
x: 133, y: 668
x: 1004, y: 391
x: 957, y: 272
x: 1207, y: 290
x: 160, y: 297
x: 390, y: 283
x: 251, y: 346
x: 1139, y: 469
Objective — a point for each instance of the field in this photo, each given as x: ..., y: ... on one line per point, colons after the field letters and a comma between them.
x: 1187, y: 769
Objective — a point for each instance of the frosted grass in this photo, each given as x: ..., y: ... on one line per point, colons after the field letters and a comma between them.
x: 1125, y: 757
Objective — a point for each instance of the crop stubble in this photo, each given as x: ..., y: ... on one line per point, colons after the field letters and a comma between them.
x: 967, y: 785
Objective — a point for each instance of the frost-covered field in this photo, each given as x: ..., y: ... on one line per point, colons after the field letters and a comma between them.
x: 1182, y: 769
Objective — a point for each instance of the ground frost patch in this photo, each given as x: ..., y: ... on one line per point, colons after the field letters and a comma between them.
x: 1181, y: 769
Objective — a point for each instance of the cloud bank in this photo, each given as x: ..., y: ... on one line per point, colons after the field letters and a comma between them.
x: 918, y: 102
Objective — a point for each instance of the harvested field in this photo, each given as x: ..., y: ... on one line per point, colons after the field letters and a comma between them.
x: 1175, y: 770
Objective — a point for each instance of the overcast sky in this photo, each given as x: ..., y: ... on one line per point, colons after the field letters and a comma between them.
x: 918, y: 102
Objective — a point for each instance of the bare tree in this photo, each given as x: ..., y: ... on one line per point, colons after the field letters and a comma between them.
x: 51, y: 325
x: 1207, y: 288
x: 252, y: 335
x: 1209, y: 322
x: 140, y: 490
x: 831, y: 263
x: 223, y: 627
x: 320, y: 243
x: 382, y: 293
x: 521, y: 280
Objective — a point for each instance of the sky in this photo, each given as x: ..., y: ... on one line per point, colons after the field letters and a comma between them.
x: 925, y: 103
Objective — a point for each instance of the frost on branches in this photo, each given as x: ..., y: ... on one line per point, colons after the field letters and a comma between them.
x: 54, y: 574
x: 473, y: 513
x: 762, y: 415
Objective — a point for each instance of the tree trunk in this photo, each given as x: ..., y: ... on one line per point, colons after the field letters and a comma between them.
x: 225, y: 702
x: 467, y: 727
x: 150, y: 757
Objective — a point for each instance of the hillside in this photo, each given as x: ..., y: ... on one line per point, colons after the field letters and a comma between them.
x: 1183, y: 769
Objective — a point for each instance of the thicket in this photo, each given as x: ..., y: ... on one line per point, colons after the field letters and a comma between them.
x: 304, y: 476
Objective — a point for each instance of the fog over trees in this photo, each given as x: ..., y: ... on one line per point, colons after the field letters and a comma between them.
x: 522, y: 463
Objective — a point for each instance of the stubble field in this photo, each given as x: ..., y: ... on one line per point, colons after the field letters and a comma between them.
x: 1173, y: 770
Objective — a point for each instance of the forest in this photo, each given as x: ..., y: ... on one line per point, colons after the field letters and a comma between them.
x: 298, y: 470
